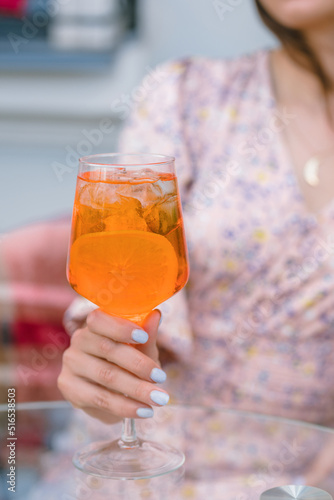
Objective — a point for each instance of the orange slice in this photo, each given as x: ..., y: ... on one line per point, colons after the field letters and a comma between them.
x: 123, y: 272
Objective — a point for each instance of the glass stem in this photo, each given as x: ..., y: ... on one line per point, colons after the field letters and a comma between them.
x: 129, y: 437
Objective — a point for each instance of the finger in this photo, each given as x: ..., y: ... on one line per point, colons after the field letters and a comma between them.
x: 114, y: 378
x: 104, y: 416
x: 151, y: 325
x: 83, y: 394
x: 123, y: 355
x: 116, y: 328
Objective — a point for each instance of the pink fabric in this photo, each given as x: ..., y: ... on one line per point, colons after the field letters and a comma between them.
x: 13, y: 7
x: 34, y: 295
x: 254, y: 329
x: 33, y: 273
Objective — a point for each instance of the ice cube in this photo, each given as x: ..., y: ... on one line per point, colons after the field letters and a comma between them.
x: 99, y: 195
x: 125, y: 214
x: 125, y: 205
x: 168, y: 214
x: 144, y: 175
x: 131, y: 221
x: 145, y: 193
x: 162, y: 217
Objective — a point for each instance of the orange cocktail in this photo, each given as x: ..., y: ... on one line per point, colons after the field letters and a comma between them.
x: 127, y: 255
x: 127, y: 248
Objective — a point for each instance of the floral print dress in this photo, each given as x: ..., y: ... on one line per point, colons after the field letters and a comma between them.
x: 254, y: 327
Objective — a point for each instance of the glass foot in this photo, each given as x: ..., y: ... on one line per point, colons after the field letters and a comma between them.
x: 113, y: 460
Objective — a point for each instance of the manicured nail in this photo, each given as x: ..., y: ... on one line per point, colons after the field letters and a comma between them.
x: 139, y: 336
x: 145, y: 412
x: 159, y: 397
x: 158, y: 375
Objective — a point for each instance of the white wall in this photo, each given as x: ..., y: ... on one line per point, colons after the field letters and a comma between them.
x: 42, y: 114
x: 214, y: 28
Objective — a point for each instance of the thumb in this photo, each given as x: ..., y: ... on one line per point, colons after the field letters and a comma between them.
x: 151, y: 325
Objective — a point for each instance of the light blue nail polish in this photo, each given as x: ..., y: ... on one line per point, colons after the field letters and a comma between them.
x: 145, y: 412
x: 161, y: 398
x: 160, y: 320
x: 158, y: 375
x: 139, y: 336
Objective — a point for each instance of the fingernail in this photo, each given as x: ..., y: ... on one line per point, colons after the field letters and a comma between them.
x: 145, y: 412
x: 160, y: 398
x: 158, y: 375
x: 139, y: 336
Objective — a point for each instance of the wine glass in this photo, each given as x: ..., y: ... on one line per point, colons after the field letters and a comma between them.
x: 127, y: 255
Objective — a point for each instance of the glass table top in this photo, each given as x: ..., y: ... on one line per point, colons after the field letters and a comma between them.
x: 230, y: 455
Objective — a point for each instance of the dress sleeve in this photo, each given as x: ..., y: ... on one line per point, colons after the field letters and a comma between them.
x: 159, y: 124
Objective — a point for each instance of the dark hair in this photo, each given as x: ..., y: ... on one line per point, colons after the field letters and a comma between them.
x: 297, y: 47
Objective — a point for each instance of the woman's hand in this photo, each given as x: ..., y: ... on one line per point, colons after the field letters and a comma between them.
x: 107, y: 377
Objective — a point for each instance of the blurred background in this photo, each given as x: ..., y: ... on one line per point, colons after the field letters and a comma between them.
x: 71, y: 71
